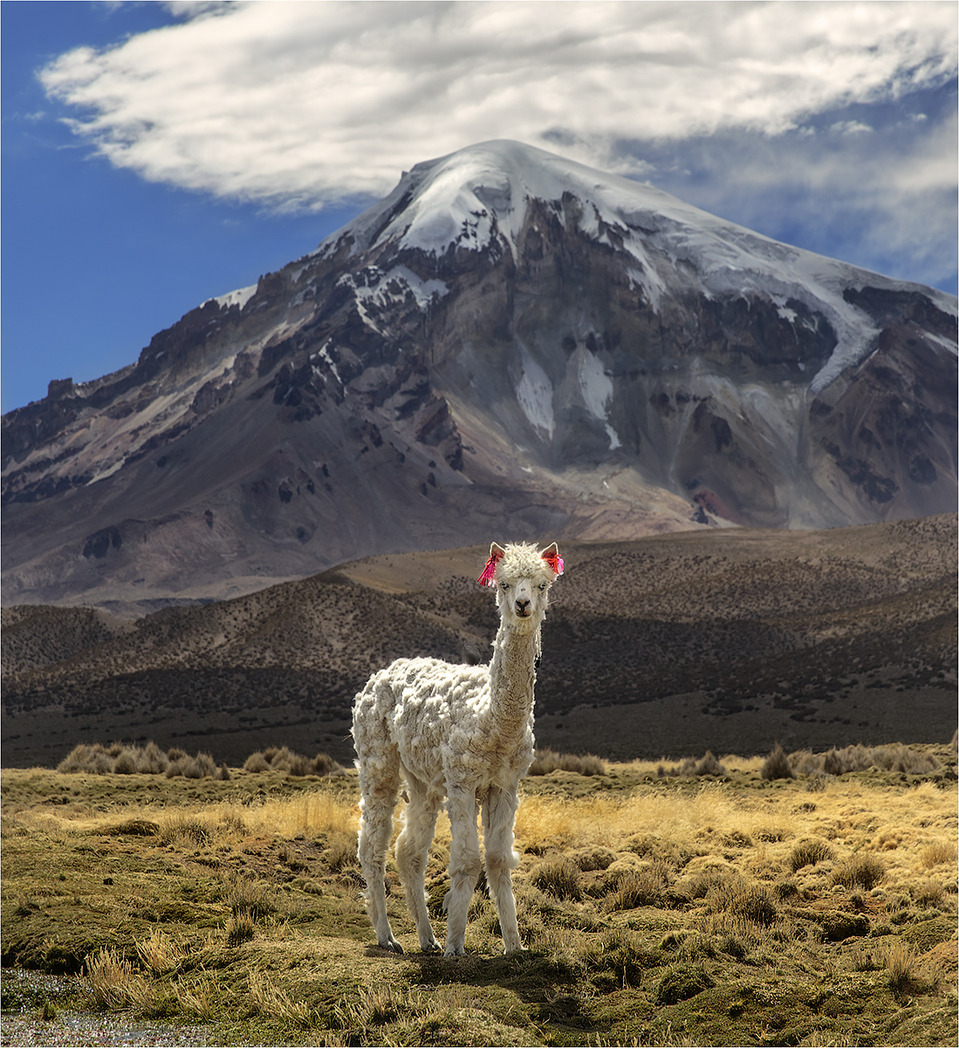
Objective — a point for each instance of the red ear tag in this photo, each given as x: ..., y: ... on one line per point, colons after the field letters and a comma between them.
x: 555, y: 561
x: 486, y: 579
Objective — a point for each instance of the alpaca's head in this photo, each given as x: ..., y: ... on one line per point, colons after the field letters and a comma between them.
x: 521, y: 576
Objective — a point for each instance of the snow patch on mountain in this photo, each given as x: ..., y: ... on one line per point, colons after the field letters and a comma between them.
x: 534, y: 392
x: 596, y: 388
x: 238, y: 298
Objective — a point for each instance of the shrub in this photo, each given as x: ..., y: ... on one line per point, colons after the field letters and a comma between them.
x: 185, y: 827
x: 202, y: 766
x: 152, y: 760
x: 860, y: 871
x: 114, y: 983
x: 615, y: 959
x: 547, y: 761
x: 936, y: 853
x: 240, y: 928
x: 809, y: 853
x: 75, y: 760
x: 256, y: 763
x: 283, y: 759
x: 158, y: 953
x: 903, y: 972
x: 929, y: 894
x: 893, y: 757
x: 125, y: 763
x: 897, y: 757
x: 709, y: 765
x: 323, y: 764
x: 90, y: 759
x: 595, y: 858
x: 249, y: 897
x: 776, y: 765
x: 273, y: 1003
x: 341, y: 853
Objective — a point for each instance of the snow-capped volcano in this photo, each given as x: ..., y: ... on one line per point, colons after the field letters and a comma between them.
x: 477, y: 200
x: 508, y: 343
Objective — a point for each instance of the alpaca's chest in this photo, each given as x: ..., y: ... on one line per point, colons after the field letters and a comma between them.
x: 465, y: 750
x: 491, y: 757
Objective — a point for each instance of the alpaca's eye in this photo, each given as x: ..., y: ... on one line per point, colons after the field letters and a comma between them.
x: 505, y: 585
x: 543, y: 586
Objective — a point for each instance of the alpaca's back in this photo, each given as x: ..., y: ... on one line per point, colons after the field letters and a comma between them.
x: 418, y: 709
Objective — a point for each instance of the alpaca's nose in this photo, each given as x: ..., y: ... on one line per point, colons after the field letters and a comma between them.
x: 522, y: 607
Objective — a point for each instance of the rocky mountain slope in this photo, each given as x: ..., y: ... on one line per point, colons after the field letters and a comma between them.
x: 725, y: 639
x: 509, y: 342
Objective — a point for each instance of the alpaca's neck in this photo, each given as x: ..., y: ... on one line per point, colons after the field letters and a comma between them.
x: 512, y: 674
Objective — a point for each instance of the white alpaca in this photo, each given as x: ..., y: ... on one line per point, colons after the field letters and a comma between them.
x: 463, y: 732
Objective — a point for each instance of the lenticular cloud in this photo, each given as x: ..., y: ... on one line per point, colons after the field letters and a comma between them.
x: 302, y: 104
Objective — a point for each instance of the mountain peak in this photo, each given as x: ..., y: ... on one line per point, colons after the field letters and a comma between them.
x: 455, y: 200
x: 478, y: 199
x: 508, y: 336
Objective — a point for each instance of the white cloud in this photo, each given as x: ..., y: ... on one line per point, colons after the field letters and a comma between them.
x: 304, y: 103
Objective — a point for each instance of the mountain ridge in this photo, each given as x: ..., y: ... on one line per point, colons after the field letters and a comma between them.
x: 672, y: 644
x: 575, y: 364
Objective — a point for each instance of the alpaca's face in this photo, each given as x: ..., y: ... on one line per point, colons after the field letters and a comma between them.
x: 523, y: 599
x: 522, y: 581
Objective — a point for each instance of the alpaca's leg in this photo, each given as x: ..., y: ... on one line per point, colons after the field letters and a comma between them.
x: 379, y: 785
x: 499, y: 813
x: 465, y: 866
x: 412, y: 854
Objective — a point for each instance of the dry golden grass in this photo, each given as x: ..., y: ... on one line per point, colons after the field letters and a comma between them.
x: 656, y: 911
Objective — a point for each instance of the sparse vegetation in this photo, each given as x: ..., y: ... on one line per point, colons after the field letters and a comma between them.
x: 121, y: 759
x: 658, y: 909
x: 546, y: 761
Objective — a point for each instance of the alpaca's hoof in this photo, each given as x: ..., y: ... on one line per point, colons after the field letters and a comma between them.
x: 452, y: 951
x: 431, y: 947
x: 391, y: 945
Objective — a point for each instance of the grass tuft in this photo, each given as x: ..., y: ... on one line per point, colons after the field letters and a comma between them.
x: 546, y: 761
x: 560, y: 878
x: 810, y: 853
x: 736, y: 897
x: 115, y: 984
x: 860, y: 871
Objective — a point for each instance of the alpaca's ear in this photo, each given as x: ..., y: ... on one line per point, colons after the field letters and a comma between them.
x: 495, y: 553
x: 552, y: 558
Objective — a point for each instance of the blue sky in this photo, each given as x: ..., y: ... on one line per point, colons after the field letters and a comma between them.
x: 154, y: 155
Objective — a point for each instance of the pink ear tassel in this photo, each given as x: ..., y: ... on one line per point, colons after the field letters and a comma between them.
x: 555, y: 561
x: 486, y: 579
